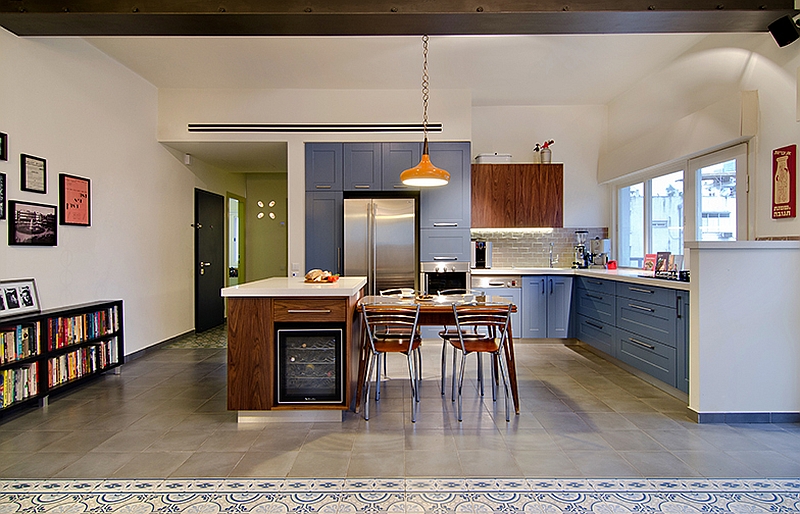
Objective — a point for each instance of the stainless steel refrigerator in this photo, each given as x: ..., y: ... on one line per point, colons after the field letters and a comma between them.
x: 380, y: 242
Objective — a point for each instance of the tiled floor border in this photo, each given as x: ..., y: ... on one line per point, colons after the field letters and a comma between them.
x: 402, y: 495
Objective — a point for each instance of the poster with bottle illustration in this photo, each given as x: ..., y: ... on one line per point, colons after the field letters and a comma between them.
x: 784, y: 186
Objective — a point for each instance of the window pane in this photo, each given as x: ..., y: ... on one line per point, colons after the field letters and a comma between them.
x: 666, y: 214
x: 631, y: 226
x: 718, y: 202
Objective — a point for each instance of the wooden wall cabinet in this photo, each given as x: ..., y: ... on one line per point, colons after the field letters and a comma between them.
x: 517, y: 195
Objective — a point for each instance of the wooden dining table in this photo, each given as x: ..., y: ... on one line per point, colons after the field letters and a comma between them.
x: 437, y: 310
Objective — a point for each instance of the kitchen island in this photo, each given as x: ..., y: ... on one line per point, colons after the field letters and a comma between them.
x: 256, y: 311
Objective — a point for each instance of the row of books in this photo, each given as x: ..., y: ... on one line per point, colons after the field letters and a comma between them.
x: 77, y: 329
x: 83, y: 361
x: 19, y: 342
x: 19, y: 384
x: 663, y: 261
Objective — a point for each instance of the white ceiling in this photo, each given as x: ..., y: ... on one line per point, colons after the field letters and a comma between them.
x: 499, y: 70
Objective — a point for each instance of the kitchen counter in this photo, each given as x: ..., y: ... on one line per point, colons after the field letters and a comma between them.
x: 296, y: 286
x: 623, y: 275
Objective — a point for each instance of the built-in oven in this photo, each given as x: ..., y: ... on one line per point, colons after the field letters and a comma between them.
x: 440, y: 276
x: 309, y: 364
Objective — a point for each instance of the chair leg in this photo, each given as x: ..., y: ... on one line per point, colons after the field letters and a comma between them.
x: 445, y: 344
x: 504, y: 377
x: 494, y: 379
x: 480, y: 371
x: 418, y: 354
x: 380, y: 357
x: 461, y: 381
x: 453, y: 390
x: 411, y: 375
x: 368, y: 384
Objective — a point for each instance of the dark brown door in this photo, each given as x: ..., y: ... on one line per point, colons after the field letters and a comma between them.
x: 209, y: 259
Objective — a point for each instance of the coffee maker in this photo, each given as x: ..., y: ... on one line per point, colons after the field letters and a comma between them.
x: 599, y: 251
x: 581, y: 260
x: 481, y: 254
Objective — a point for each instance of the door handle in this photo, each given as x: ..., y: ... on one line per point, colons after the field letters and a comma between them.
x: 203, y: 267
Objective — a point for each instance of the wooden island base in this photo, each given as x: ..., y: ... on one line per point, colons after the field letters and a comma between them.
x: 255, y: 310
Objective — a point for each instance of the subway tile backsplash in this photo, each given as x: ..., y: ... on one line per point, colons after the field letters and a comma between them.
x: 530, y: 248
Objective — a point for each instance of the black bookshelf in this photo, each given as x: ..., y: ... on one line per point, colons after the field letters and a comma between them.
x: 57, y: 349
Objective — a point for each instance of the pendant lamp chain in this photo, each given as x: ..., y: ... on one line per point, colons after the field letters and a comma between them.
x: 425, y: 93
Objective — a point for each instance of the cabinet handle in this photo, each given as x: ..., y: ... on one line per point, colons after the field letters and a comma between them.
x: 678, y: 306
x: 595, y: 325
x: 551, y: 286
x: 594, y: 296
x: 444, y: 258
x: 443, y: 224
x: 309, y: 311
x: 322, y: 187
x: 639, y: 307
x: 639, y: 290
x: 543, y: 286
x: 361, y: 186
x: 644, y: 345
x: 400, y: 186
x: 598, y: 282
x: 497, y: 284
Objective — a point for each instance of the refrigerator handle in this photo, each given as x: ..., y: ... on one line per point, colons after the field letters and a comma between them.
x: 373, y: 246
x: 339, y: 260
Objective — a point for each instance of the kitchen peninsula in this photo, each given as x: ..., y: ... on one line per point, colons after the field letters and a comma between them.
x: 266, y: 313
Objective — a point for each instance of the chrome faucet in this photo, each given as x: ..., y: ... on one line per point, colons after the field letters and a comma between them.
x: 551, y: 256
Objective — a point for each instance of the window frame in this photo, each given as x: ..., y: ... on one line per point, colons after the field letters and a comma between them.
x: 691, y: 208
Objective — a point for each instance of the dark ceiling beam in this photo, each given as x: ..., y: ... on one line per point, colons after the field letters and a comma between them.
x: 384, y: 17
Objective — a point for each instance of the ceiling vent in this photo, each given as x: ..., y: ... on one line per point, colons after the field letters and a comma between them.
x: 343, y: 128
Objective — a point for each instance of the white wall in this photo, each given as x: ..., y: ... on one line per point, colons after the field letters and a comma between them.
x: 65, y: 101
x: 178, y: 107
x: 578, y: 132
x: 720, y: 67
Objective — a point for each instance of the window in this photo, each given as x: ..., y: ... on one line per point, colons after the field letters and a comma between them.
x: 652, y: 214
x: 721, y: 214
x: 659, y: 200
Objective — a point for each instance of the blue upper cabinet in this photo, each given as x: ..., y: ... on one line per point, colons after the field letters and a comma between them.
x: 398, y: 157
x: 362, y: 166
x: 448, y: 206
x: 324, y: 166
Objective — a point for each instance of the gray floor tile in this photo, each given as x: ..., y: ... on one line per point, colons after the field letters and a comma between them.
x: 547, y: 463
x: 432, y: 441
x: 715, y: 463
x: 320, y: 464
x: 377, y: 464
x: 769, y: 463
x: 208, y: 464
x: 258, y: 464
x: 324, y: 441
x: 659, y: 464
x: 531, y: 440
x: 279, y: 440
x: 681, y: 439
x: 95, y: 465
x: 179, y: 440
x: 602, y: 464
x: 229, y: 441
x: 152, y: 465
x: 488, y: 463
x: 40, y: 465
x: 80, y: 441
x: 631, y: 440
x: 129, y: 441
x: 379, y: 442
x: 31, y: 441
x: 425, y: 463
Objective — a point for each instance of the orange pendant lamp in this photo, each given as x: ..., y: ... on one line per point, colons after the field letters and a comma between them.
x: 425, y: 174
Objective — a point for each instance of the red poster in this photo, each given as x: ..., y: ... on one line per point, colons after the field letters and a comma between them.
x: 784, y: 185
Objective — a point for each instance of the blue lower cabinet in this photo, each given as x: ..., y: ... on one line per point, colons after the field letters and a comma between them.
x: 559, y: 304
x: 597, y: 305
x: 596, y: 333
x: 534, y: 297
x: 648, y: 355
x: 649, y: 319
x: 324, y: 230
x: 682, y: 367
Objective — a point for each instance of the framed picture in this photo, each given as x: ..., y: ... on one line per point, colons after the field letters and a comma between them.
x: 33, y: 171
x: 32, y: 224
x: 75, y: 202
x: 3, y: 147
x: 18, y: 296
x: 2, y: 196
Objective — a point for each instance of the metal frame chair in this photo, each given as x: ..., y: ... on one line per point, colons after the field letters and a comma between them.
x: 398, y: 326
x: 451, y: 333
x: 494, y: 319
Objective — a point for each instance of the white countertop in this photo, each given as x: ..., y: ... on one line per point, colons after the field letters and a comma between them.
x: 295, y: 286
x: 630, y: 275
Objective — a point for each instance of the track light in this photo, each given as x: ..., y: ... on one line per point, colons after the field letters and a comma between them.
x: 784, y: 30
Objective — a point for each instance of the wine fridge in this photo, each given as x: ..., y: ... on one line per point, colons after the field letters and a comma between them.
x: 310, y: 364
